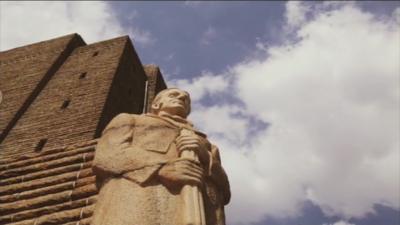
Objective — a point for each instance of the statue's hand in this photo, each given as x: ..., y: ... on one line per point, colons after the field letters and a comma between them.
x: 180, y: 172
x: 194, y: 143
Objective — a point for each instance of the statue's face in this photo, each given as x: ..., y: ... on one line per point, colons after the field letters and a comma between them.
x: 175, y: 102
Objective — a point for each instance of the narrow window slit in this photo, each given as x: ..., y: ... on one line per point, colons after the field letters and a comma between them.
x: 95, y: 53
x: 40, y: 145
x: 83, y: 75
x: 65, y: 104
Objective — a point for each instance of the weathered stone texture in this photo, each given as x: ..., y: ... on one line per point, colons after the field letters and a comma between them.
x: 54, y: 187
x: 156, y: 168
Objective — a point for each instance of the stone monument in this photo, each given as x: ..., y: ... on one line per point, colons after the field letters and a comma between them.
x: 156, y: 168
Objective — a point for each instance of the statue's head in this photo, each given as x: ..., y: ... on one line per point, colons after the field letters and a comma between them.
x: 172, y: 101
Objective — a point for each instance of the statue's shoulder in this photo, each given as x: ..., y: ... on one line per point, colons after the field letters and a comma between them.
x: 122, y: 119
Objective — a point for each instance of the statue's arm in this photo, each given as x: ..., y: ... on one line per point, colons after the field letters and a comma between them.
x: 218, y: 174
x: 115, y: 155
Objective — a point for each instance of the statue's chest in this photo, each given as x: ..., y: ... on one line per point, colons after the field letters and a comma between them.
x: 154, y: 135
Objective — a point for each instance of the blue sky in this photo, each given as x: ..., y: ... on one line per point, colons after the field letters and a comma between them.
x: 214, y: 35
x: 301, y: 97
x: 193, y: 37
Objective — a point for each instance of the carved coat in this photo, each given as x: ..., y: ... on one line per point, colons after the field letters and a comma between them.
x: 128, y: 156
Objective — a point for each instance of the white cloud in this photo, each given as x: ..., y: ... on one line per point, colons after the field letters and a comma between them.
x: 28, y: 22
x: 226, y: 118
x: 341, y: 222
x: 296, y: 12
x: 332, y: 99
x: 205, y: 84
x: 208, y: 35
x: 261, y: 46
x: 193, y: 3
x: 144, y: 37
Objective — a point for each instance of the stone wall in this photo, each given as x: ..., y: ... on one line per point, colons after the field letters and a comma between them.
x: 94, y: 83
x: 25, y: 71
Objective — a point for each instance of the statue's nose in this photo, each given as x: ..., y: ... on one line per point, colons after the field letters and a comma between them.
x: 181, y: 97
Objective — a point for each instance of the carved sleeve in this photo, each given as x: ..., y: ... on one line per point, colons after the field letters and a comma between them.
x: 115, y: 155
x: 218, y: 174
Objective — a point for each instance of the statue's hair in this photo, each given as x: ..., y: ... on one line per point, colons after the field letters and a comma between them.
x: 156, y: 100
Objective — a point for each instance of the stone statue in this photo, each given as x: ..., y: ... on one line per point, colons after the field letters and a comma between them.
x: 156, y: 168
